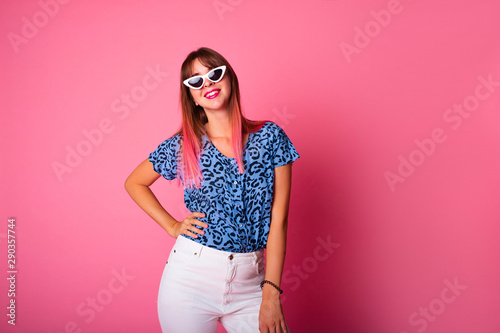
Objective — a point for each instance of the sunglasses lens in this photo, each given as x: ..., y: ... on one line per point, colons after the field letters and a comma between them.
x: 196, y: 82
x: 215, y: 75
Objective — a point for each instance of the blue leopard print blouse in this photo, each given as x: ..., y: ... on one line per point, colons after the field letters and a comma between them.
x: 237, y: 206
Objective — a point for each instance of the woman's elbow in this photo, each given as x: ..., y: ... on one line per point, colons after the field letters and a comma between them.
x: 129, y: 184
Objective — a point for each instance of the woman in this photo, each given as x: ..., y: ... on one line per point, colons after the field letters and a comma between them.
x: 236, y: 175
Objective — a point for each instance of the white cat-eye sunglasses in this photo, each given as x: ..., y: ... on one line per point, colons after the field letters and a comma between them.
x: 214, y: 75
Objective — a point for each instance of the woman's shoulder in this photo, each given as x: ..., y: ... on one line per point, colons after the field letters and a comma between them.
x: 270, y: 128
x: 172, y: 142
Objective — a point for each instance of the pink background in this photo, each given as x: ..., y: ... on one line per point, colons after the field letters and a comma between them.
x: 359, y: 86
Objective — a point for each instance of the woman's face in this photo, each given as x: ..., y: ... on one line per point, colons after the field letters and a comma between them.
x: 212, y: 96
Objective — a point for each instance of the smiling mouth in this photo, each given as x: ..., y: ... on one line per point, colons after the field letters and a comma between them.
x: 212, y: 93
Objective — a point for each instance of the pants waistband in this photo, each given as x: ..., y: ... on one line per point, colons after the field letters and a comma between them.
x: 205, y: 251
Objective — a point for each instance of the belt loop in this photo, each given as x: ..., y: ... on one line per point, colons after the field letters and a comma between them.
x: 259, y: 256
x: 198, y: 251
x: 256, y: 257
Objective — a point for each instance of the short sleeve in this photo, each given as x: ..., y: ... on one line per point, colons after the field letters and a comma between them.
x: 165, y: 157
x: 284, y: 151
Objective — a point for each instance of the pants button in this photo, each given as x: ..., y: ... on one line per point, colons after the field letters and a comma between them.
x: 231, y: 257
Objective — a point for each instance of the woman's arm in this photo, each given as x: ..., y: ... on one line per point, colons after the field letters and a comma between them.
x: 271, y: 315
x: 137, y: 185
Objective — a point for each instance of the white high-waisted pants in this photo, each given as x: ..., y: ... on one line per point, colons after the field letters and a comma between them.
x: 201, y: 285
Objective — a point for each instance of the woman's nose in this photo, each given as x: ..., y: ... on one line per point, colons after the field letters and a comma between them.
x: 208, y: 83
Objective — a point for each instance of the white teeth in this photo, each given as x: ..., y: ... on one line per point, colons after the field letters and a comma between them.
x: 212, y: 93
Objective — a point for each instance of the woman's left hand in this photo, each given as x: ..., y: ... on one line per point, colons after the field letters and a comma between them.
x: 271, y: 319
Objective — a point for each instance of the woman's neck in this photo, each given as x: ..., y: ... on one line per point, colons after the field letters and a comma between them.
x: 218, y: 125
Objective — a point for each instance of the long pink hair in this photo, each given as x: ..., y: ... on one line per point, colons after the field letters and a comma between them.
x: 194, y: 118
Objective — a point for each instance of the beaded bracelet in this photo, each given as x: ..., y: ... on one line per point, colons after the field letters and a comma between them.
x: 272, y: 284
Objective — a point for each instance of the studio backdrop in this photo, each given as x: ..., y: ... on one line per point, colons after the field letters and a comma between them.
x: 393, y: 106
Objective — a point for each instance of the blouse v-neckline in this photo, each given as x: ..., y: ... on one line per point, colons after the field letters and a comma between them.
x: 220, y: 153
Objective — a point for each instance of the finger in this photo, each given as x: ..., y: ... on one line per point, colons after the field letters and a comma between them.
x: 196, y: 214
x: 198, y: 231
x: 193, y: 220
x: 190, y: 233
x: 269, y: 327
x: 283, y: 327
x: 189, y: 230
x: 190, y: 225
x: 199, y: 223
